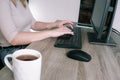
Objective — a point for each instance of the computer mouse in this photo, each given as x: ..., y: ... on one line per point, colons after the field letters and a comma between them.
x: 79, y: 55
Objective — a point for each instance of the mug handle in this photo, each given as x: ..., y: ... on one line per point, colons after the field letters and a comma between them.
x: 7, y: 62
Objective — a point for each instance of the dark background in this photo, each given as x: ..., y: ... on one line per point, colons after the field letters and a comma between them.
x: 86, y: 8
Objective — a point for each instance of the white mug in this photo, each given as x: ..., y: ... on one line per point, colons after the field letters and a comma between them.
x: 25, y: 69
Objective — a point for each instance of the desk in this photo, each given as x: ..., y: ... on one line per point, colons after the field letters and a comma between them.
x: 56, y: 66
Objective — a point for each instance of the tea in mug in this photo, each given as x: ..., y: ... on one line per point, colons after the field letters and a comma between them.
x: 27, y: 57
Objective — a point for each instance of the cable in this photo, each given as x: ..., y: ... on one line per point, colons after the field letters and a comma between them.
x: 116, y: 31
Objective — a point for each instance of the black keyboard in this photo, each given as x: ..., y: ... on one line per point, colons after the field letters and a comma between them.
x: 70, y: 41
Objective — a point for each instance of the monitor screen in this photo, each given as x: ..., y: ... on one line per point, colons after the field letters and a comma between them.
x: 99, y: 16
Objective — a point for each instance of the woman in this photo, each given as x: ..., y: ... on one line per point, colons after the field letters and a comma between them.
x: 16, y: 21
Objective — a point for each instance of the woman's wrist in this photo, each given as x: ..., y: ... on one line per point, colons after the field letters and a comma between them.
x: 51, y: 25
x: 49, y: 33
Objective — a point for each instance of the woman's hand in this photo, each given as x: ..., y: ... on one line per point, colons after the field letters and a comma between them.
x: 61, y: 23
x: 60, y: 31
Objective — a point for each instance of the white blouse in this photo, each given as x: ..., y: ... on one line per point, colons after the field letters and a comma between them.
x: 13, y: 20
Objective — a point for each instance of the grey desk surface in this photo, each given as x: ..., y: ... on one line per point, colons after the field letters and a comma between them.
x: 56, y: 66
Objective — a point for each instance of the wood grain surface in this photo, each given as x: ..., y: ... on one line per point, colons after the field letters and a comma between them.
x: 105, y: 63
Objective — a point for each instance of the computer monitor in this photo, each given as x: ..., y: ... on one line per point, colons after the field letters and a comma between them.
x: 101, y: 20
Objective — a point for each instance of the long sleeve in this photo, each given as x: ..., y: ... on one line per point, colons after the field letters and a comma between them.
x: 13, y: 20
x: 7, y: 26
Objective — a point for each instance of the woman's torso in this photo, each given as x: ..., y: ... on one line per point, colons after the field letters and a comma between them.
x: 20, y: 19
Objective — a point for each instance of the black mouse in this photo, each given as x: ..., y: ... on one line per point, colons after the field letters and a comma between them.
x: 79, y: 55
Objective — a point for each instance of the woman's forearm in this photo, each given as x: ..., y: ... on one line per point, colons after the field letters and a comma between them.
x: 23, y: 38
x: 43, y: 25
x: 49, y: 25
